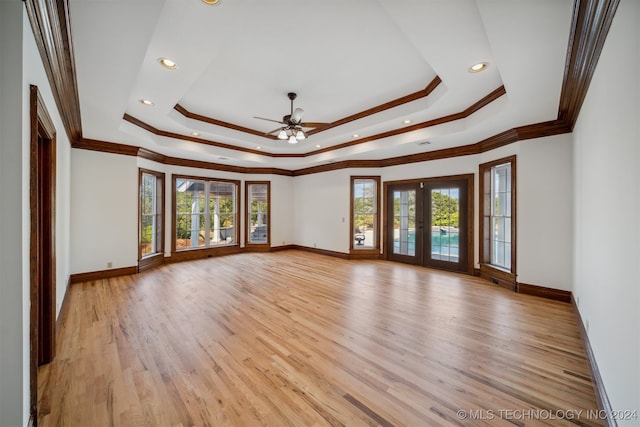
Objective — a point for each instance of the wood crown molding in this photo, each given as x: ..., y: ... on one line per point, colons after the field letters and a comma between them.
x: 52, y: 32
x: 589, y: 28
x: 590, y: 25
x: 422, y: 93
x: 486, y: 100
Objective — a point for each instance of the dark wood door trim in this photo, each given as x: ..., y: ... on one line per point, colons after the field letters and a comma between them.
x: 421, y: 219
x: 42, y: 261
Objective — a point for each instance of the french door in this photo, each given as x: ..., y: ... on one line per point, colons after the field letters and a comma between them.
x: 429, y: 222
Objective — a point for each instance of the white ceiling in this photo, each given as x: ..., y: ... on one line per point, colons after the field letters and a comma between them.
x: 239, y: 58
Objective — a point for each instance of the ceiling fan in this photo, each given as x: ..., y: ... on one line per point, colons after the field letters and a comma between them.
x: 293, y: 129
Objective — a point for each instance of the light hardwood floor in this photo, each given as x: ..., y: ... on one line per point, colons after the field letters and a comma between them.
x: 293, y: 338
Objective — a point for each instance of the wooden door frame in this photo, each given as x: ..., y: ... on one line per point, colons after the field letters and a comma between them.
x: 470, y: 220
x: 467, y: 267
x: 42, y: 254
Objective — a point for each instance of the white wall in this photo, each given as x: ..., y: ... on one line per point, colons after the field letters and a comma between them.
x: 544, y: 203
x: 104, y: 211
x: 14, y: 322
x: 104, y: 207
x: 545, y: 213
x: 21, y: 67
x: 607, y: 202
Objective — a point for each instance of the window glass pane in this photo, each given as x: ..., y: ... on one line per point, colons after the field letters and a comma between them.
x: 222, y: 210
x: 150, y: 214
x: 190, y: 214
x: 445, y: 220
x: 404, y: 222
x: 258, y: 213
x: 365, y: 215
x: 500, y: 231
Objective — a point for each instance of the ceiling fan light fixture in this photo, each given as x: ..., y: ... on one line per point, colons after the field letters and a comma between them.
x: 300, y: 135
x: 212, y: 2
x: 282, y: 134
x: 293, y: 140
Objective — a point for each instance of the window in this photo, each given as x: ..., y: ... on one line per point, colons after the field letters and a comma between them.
x: 205, y: 213
x: 151, y: 238
x: 498, y: 231
x: 258, y: 214
x: 365, y: 206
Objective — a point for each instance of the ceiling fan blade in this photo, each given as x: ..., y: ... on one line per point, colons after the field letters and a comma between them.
x: 296, y: 116
x: 314, y: 124
x: 270, y: 120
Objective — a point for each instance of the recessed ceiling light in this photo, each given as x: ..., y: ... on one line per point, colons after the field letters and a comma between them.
x: 355, y: 135
x: 195, y: 134
x: 476, y: 68
x: 258, y: 148
x: 318, y: 145
x: 146, y: 102
x: 211, y: 1
x: 406, y: 122
x: 167, y: 63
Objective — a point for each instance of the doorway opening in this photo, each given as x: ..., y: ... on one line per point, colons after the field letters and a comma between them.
x: 42, y: 242
x: 430, y: 222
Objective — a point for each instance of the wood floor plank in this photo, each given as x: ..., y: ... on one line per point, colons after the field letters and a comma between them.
x: 300, y: 339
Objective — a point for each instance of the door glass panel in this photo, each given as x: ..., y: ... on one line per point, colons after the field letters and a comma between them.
x: 445, y: 224
x: 404, y: 222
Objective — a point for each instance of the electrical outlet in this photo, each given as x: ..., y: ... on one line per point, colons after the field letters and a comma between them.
x: 109, y: 264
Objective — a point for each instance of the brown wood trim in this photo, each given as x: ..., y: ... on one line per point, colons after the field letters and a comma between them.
x: 151, y: 155
x: 105, y: 147
x: 257, y: 247
x: 319, y: 251
x: 537, y: 130
x: 423, y: 93
x: 366, y: 254
x: 498, y: 277
x: 52, y: 32
x: 193, y: 116
x: 151, y: 129
x: 590, y: 24
x: 207, y: 251
x: 495, y: 94
x: 596, y: 378
x: 193, y: 254
x: 175, y: 161
x: 150, y: 262
x: 42, y: 241
x: 370, y: 111
x: 102, y: 274
x: 486, y: 270
x: 544, y: 292
x: 282, y: 248
x: 589, y: 28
